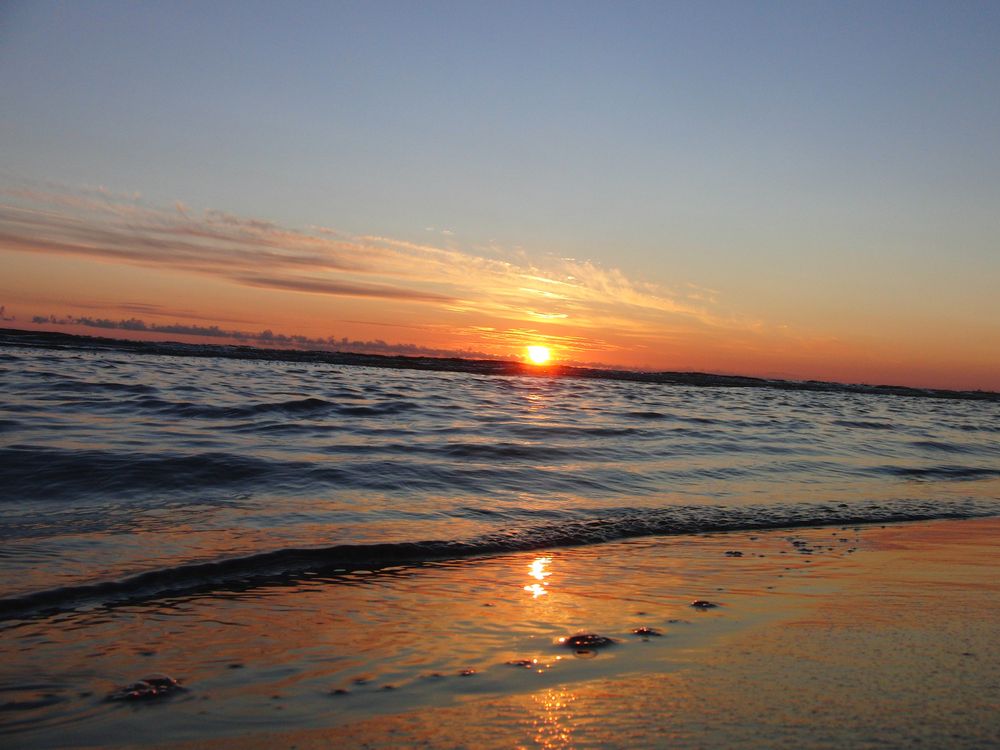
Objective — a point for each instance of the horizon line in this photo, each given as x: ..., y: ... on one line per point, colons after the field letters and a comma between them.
x: 496, y: 366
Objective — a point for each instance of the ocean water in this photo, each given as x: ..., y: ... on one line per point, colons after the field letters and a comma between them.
x: 125, y: 475
x: 311, y: 545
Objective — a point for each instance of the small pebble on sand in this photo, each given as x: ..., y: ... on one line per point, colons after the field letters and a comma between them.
x: 702, y: 604
x: 585, y: 641
x: 153, y: 686
x: 646, y: 632
x: 526, y: 663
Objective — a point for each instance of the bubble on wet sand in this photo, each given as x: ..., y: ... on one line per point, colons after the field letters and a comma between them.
x: 703, y: 604
x: 585, y: 641
x: 646, y: 632
x: 148, y: 688
x: 526, y: 663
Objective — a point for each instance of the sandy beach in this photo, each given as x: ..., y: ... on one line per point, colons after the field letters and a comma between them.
x: 894, y: 645
x: 822, y: 637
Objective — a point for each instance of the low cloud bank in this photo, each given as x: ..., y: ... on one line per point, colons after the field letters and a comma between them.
x: 260, y: 338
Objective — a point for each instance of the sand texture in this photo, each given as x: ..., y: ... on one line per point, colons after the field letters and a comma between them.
x: 894, y: 645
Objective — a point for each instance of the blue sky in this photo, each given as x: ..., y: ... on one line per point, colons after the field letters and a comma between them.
x: 829, y: 165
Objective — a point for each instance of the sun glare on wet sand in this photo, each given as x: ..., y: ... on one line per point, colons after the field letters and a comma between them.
x: 539, y: 355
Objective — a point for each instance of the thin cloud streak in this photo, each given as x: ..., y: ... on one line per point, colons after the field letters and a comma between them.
x: 147, y: 308
x: 336, y: 288
x: 575, y: 299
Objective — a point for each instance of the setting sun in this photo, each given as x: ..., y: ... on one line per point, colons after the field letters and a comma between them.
x: 539, y: 355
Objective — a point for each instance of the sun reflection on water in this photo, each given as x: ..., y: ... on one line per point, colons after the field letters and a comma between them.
x: 536, y: 590
x: 538, y: 571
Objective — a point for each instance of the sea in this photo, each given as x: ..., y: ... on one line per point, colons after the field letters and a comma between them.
x: 130, y: 482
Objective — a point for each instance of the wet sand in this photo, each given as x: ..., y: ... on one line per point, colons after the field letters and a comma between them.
x: 895, y: 645
x: 823, y: 637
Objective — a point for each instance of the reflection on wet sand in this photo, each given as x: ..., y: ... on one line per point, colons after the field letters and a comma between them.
x: 553, y: 719
x: 893, y: 647
x: 313, y: 657
x: 539, y: 571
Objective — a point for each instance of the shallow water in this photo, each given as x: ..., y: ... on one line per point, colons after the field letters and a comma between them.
x: 328, y: 649
x: 125, y: 475
x: 271, y: 533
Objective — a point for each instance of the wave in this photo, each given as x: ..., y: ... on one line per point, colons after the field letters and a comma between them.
x: 45, y: 472
x: 283, y: 564
x: 113, y: 387
x: 34, y: 471
x: 145, y: 399
x: 864, y: 425
x: 941, y: 447
x: 310, y: 407
x: 942, y: 472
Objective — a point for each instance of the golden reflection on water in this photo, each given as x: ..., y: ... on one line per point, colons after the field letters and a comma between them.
x: 538, y: 571
x: 553, y: 719
x: 538, y: 403
x: 538, y: 568
x: 536, y: 590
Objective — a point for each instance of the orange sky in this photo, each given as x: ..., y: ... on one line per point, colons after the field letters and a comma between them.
x: 74, y: 258
x: 796, y: 190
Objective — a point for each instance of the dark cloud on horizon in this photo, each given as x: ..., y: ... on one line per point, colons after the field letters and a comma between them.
x: 264, y: 338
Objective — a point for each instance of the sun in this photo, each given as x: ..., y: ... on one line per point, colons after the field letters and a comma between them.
x: 539, y: 355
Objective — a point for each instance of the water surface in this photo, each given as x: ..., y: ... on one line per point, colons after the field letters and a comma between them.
x: 123, y: 474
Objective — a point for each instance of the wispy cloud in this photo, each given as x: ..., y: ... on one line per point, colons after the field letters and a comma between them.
x: 590, y: 299
x: 152, y: 309
x: 341, y: 288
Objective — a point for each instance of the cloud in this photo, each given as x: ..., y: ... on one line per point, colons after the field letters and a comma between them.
x: 507, y: 292
x: 338, y: 288
x: 265, y: 337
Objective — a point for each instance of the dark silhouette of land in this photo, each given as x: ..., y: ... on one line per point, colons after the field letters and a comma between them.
x: 56, y: 340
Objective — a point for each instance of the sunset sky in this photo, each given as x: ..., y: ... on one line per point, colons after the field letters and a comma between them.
x: 801, y: 189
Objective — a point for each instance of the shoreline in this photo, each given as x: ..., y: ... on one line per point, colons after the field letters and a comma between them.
x: 824, y: 637
x: 268, y: 566
x: 895, y: 648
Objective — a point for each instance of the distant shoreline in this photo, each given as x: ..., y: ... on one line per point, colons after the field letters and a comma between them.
x: 58, y: 340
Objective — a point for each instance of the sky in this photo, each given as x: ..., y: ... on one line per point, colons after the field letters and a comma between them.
x: 806, y: 190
